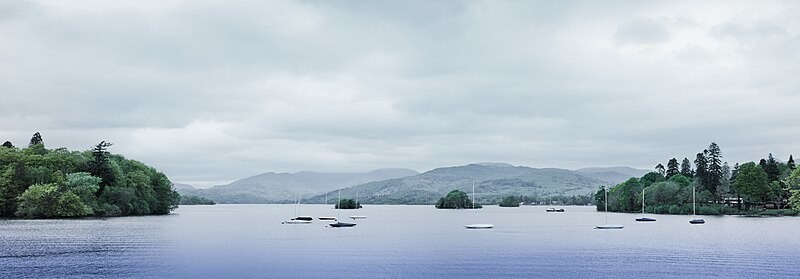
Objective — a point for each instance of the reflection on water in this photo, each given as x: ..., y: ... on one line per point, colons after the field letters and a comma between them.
x: 249, y: 241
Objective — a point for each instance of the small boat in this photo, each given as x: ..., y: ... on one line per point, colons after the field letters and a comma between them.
x: 358, y: 217
x: 554, y: 210
x: 327, y: 218
x: 607, y: 226
x: 298, y: 219
x: 696, y: 221
x: 340, y: 224
x: 644, y: 219
x: 296, y: 222
x: 477, y: 226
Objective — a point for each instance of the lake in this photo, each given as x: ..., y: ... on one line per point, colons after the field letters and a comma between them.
x: 249, y: 241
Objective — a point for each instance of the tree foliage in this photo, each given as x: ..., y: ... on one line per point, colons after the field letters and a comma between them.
x: 347, y: 204
x: 672, y: 168
x: 456, y: 199
x: 686, y: 168
x: 510, y: 201
x: 752, y: 183
x: 8, y: 144
x: 36, y: 139
x: 60, y: 183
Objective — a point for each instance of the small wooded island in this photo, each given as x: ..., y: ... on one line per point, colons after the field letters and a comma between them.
x: 456, y: 199
x: 347, y: 204
x: 511, y: 201
x: 36, y: 182
x: 768, y: 187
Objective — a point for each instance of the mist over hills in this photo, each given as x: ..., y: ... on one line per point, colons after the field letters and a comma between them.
x: 285, y: 187
x: 403, y: 186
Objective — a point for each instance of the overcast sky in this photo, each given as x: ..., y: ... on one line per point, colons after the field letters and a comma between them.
x: 212, y: 91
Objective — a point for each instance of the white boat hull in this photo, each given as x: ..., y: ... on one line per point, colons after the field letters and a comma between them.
x: 296, y: 222
x: 609, y: 227
x: 358, y: 217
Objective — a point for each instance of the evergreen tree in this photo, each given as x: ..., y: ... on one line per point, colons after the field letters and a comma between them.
x: 714, y: 168
x: 660, y: 169
x: 701, y: 168
x: 36, y: 139
x: 686, y: 168
x: 771, y: 168
x: 8, y: 144
x: 672, y: 168
x: 789, y: 163
x: 100, y: 166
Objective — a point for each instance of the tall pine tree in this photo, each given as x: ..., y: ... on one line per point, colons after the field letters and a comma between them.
x: 686, y: 168
x: 714, y: 169
x: 790, y: 163
x: 101, y: 167
x: 672, y: 168
x: 36, y: 139
x: 772, y: 169
x: 701, y: 169
x: 660, y: 169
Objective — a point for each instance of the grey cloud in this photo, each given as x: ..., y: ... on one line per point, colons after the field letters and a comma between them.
x: 641, y: 31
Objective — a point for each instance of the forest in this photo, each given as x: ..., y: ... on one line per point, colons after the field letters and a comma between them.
x: 769, y: 187
x: 36, y: 182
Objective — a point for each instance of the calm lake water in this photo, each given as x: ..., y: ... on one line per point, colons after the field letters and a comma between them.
x: 249, y: 241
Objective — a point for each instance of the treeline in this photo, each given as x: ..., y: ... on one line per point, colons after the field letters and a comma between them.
x: 195, y: 200
x: 719, y: 189
x: 36, y: 182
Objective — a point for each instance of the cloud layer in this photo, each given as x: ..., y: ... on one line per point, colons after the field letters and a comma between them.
x: 212, y: 91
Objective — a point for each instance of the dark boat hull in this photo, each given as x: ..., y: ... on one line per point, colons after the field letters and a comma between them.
x: 645, y: 219
x: 697, y: 221
x: 341, y: 225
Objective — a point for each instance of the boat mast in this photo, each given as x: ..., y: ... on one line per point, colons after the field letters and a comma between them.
x: 606, y: 192
x: 642, y: 201
x: 473, y: 195
x: 694, y: 207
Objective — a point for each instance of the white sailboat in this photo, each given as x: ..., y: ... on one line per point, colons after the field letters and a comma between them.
x: 607, y: 226
x: 695, y: 221
x: 327, y: 218
x: 477, y: 226
x: 644, y: 219
x: 357, y: 207
x: 298, y: 219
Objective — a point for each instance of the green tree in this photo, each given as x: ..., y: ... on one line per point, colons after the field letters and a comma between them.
x: 36, y: 139
x: 751, y: 182
x: 650, y: 178
x: 686, y: 168
x: 660, y: 169
x: 672, y: 168
x: 714, y: 170
x: 347, y: 204
x: 100, y: 166
x: 8, y: 144
x: 600, y: 199
x: 789, y: 164
x: 456, y: 199
x: 771, y: 168
x: 510, y: 201
x: 701, y: 168
x: 50, y: 200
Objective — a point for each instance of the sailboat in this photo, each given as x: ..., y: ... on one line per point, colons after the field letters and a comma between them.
x: 644, y: 219
x: 357, y: 207
x: 695, y: 221
x: 607, y: 226
x: 327, y: 218
x: 340, y: 224
x: 298, y: 219
x: 477, y: 226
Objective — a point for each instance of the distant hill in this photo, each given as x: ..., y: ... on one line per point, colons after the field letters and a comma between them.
x: 179, y: 186
x: 492, y: 181
x: 284, y: 187
x: 612, y: 175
